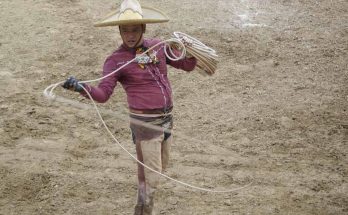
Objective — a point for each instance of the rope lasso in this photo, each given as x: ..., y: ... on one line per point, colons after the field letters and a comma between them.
x: 206, y: 56
x: 48, y: 93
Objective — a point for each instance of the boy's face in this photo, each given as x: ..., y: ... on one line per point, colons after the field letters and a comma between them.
x: 132, y: 35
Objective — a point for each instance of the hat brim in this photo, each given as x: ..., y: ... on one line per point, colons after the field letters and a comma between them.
x: 150, y: 15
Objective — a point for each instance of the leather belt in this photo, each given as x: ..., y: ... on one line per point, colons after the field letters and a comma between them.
x: 152, y: 111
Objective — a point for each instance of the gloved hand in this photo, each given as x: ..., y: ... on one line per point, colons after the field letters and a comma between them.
x: 73, y: 84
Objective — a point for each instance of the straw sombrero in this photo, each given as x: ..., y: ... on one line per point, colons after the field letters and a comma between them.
x: 131, y: 13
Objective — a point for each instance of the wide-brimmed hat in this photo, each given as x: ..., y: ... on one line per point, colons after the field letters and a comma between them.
x: 131, y: 13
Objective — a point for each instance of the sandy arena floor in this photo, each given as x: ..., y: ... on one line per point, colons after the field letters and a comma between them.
x: 275, y: 113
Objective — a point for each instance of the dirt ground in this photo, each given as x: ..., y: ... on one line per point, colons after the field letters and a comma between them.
x: 275, y: 113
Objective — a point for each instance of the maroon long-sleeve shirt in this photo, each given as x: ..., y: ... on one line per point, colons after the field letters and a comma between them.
x: 147, y: 88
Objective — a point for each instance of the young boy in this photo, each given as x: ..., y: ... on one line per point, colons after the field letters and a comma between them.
x: 148, y: 90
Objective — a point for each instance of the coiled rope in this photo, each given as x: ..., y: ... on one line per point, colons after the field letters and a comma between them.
x: 178, y: 41
x: 206, y: 56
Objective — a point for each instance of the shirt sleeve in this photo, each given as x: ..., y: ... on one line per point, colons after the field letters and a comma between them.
x: 106, y: 87
x: 186, y: 64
